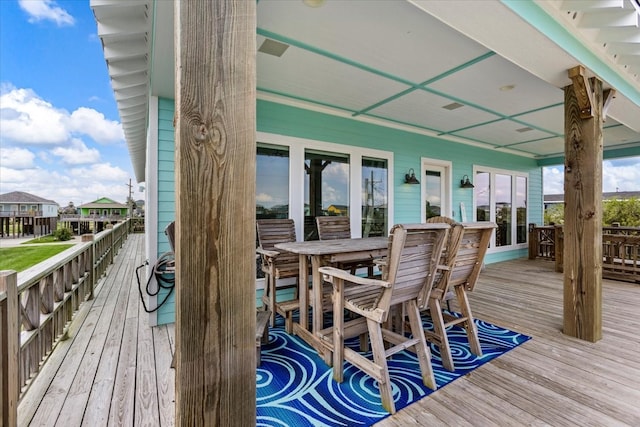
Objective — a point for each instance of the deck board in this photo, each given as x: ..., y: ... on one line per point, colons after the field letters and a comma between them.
x: 115, y: 369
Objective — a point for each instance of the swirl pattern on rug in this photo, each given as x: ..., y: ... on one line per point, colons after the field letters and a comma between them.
x: 296, y: 388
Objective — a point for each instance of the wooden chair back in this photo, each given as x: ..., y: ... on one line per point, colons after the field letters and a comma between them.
x: 472, y: 249
x: 414, y: 254
x: 448, y: 258
x: 276, y: 265
x: 333, y: 227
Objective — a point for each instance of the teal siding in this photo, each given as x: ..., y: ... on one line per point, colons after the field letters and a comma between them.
x: 408, y: 149
x: 165, y: 193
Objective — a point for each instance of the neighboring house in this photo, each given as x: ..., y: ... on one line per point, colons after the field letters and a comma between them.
x: 19, y: 202
x: 360, y: 95
x: 26, y: 214
x: 104, y: 208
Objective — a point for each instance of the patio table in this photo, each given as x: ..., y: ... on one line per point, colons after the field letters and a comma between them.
x: 325, y: 252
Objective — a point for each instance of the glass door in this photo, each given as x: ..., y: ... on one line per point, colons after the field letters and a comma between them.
x: 435, y: 190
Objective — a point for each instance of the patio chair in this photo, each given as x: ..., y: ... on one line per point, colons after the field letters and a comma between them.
x: 278, y: 265
x: 339, y: 227
x: 408, y: 274
x: 458, y: 273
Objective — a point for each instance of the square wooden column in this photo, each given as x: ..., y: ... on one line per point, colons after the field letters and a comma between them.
x: 215, y: 212
x: 583, y: 207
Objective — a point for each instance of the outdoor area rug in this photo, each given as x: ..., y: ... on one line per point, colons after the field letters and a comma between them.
x: 296, y: 388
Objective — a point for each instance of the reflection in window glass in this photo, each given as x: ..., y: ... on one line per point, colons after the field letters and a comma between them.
x: 482, y: 190
x: 272, y: 182
x: 326, y: 188
x: 374, y: 197
x: 503, y: 210
x: 521, y: 209
x: 433, y: 188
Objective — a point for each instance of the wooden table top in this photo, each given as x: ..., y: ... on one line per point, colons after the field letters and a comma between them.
x: 329, y: 247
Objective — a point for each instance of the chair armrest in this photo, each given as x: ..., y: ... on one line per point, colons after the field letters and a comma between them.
x: 267, y: 253
x: 341, y: 274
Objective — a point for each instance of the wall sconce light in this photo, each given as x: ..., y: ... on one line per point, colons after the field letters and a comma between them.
x: 465, y: 183
x: 410, y: 178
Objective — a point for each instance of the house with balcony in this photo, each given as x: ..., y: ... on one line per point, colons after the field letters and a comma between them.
x: 25, y: 214
x: 96, y: 215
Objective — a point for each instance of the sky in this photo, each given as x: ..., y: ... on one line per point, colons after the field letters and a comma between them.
x: 60, y: 133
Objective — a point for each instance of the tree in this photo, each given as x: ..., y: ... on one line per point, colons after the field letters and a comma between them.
x: 554, y: 214
x: 625, y: 212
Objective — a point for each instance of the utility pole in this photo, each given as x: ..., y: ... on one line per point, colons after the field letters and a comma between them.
x: 129, y: 199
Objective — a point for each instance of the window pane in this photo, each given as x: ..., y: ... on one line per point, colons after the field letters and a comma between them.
x: 521, y: 209
x: 374, y: 197
x: 326, y: 188
x: 433, y: 197
x: 272, y: 182
x: 503, y: 210
x: 482, y: 192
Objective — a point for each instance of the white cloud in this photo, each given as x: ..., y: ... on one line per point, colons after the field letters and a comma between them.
x: 77, y: 153
x: 90, y: 122
x: 100, y: 172
x: 80, y: 185
x: 16, y: 158
x: 27, y: 119
x: 46, y: 10
x: 617, y: 175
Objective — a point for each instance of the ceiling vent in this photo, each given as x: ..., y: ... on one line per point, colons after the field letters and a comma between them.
x: 523, y: 130
x: 453, y: 106
x: 272, y: 47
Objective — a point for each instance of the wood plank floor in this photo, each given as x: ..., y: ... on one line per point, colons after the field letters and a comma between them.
x: 114, y: 369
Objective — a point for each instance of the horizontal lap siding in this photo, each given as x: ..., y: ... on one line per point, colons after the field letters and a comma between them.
x: 408, y: 149
x: 166, y: 194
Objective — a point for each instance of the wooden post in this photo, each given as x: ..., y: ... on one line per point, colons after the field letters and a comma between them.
x: 215, y: 212
x: 558, y: 244
x: 9, y: 349
x: 533, y: 241
x: 583, y: 209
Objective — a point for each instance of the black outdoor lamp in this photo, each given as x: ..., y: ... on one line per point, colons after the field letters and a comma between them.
x: 465, y: 183
x: 410, y: 178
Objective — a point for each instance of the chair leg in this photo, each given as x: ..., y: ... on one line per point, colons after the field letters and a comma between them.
x: 439, y: 330
x: 380, y: 360
x: 469, y: 325
x: 272, y: 299
x: 422, y: 351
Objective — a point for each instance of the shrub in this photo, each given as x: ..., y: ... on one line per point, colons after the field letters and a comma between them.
x: 63, y: 234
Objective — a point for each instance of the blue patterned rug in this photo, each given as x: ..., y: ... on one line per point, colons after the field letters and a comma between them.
x: 296, y: 388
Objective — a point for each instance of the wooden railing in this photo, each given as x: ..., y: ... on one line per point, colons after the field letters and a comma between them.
x: 620, y: 249
x: 37, y: 305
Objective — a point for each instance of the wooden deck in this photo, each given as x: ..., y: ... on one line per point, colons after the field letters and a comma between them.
x: 114, y: 369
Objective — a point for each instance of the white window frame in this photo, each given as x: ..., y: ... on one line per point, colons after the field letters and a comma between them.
x: 297, y: 148
x: 446, y: 208
x: 492, y: 210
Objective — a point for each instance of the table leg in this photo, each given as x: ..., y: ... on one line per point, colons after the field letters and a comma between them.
x: 303, y: 292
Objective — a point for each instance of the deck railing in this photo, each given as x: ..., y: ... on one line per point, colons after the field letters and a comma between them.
x: 37, y: 305
x: 620, y: 249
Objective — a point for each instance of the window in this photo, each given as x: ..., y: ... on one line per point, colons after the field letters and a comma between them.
x: 301, y: 178
x: 374, y: 197
x: 272, y: 182
x: 496, y: 193
x: 326, y: 188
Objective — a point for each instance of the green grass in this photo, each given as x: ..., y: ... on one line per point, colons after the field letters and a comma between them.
x: 45, y: 239
x: 22, y: 257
